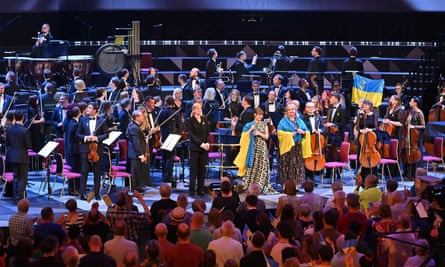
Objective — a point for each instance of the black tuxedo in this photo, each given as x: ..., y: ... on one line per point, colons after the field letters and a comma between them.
x: 173, y: 125
x: 318, y: 122
x: 262, y: 97
x: 11, y: 88
x: 140, y: 171
x: 190, y: 83
x: 199, y: 134
x: 338, y: 118
x: 18, y: 141
x: 211, y: 73
x: 275, y: 116
x: 221, y: 100
x: 124, y: 119
x: 303, y: 98
x: 111, y: 95
x: 57, y: 117
x: 101, y: 132
x: 317, y: 66
x: 245, y: 117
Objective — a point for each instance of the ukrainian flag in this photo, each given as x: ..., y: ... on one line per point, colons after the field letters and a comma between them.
x: 367, y: 89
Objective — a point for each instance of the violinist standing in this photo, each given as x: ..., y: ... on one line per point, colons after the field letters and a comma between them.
x: 314, y: 123
x: 138, y: 152
x: 171, y: 124
x: 366, y: 122
x: 91, y: 131
x: 414, y: 121
x: 198, y: 129
x: 18, y: 142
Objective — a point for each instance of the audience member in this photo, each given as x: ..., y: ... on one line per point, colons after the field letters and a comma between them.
x: 199, y: 236
x: 47, y: 227
x: 70, y: 257
x: 226, y: 247
x: 119, y: 246
x: 184, y: 253
x: 20, y: 226
x: 152, y: 251
x: 161, y: 233
x: 96, y: 257
x: 50, y: 258
x: 353, y: 215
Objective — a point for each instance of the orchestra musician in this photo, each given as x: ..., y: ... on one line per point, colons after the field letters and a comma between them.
x: 243, y: 69
x: 18, y: 141
x: 404, y: 98
x: 213, y: 69
x: 366, y: 122
x: 91, y: 131
x: 152, y: 89
x: 5, y: 100
x: 394, y: 118
x: 290, y: 131
x: 138, y: 152
x: 113, y: 95
x: 172, y: 123
x: 414, y: 120
x: 59, y: 114
x: 77, y: 74
x: 154, y: 72
x: 36, y: 123
x: 314, y: 123
x: 221, y: 94
x: 281, y: 63
x: 187, y: 90
x: 72, y: 152
x: 351, y: 65
x: 11, y: 85
x: 44, y: 35
x: 198, y: 129
x: 210, y: 105
x: 124, y: 75
x: 137, y: 99
x: 258, y: 96
x: 194, y: 81
x: 316, y: 69
x: 304, y: 94
x: 124, y: 117
x: 233, y: 107
x: 272, y: 109
x: 279, y: 88
x: 80, y: 94
x: 245, y: 116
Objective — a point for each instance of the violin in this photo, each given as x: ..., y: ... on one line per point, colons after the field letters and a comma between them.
x: 317, y: 161
x: 410, y: 146
x: 93, y: 155
x: 369, y: 156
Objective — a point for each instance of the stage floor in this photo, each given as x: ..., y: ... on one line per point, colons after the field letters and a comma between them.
x: 41, y: 199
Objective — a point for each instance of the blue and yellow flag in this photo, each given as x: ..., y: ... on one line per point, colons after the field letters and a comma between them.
x: 367, y: 89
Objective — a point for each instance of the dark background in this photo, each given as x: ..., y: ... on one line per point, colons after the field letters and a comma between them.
x: 351, y: 20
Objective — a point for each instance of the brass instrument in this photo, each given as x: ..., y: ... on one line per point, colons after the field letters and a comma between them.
x: 135, y: 50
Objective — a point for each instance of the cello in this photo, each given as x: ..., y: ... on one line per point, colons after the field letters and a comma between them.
x: 317, y: 161
x: 369, y: 156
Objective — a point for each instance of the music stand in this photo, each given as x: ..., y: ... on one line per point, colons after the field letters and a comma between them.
x: 46, y: 150
x: 112, y: 137
x: 171, y: 142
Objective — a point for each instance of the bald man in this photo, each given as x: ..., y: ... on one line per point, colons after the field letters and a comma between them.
x: 199, y: 236
x: 96, y: 257
x: 184, y: 253
x: 161, y: 233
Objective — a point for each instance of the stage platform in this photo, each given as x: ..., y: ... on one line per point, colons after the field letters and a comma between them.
x: 41, y: 199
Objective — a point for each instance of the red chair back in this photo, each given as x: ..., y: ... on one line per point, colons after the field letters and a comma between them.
x: 394, y: 149
x: 344, y: 151
x: 61, y: 147
x: 123, y: 148
x: 438, y: 144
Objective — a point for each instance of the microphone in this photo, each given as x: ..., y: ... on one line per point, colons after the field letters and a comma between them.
x: 158, y: 25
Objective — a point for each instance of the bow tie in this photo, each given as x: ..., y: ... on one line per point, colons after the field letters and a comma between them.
x: 92, y: 118
x: 271, y: 103
x: 255, y: 94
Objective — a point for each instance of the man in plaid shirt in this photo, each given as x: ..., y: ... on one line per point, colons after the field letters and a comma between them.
x: 20, y: 225
x: 132, y: 218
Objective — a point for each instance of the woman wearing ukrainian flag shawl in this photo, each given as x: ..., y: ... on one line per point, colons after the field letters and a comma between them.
x: 252, y: 160
x: 292, y: 132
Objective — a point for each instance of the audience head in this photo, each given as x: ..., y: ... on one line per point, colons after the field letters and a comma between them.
x: 253, y: 189
x: 325, y: 253
x: 161, y: 230
x: 23, y: 205
x: 291, y: 262
x: 391, y: 185
x: 121, y: 199
x: 308, y: 186
x: 71, y: 205
x: 227, y: 229
x: 252, y: 200
x: 183, y: 232
x: 226, y: 187
x: 152, y: 249
x: 199, y: 205
x: 47, y: 214
x: 353, y: 201
x: 131, y: 259
x: 70, y: 256
x: 287, y: 253
x: 209, y: 258
x: 49, y: 244
x: 231, y: 263
x: 336, y: 186
x: 165, y: 191
x: 290, y: 188
x: 182, y: 201
x: 120, y: 228
x: 95, y: 243
x: 422, y: 247
x: 197, y: 219
x: 258, y: 239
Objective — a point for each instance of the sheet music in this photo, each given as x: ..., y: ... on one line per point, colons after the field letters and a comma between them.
x: 47, y: 149
x: 171, y: 141
x: 112, y: 136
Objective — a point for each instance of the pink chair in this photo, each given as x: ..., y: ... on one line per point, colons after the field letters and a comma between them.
x: 352, y: 157
x: 438, y: 152
x: 7, y: 177
x: 64, y: 173
x: 343, y: 163
x: 393, y: 159
x: 111, y: 175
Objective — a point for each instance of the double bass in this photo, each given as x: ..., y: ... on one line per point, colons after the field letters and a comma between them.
x: 317, y: 161
x: 410, y: 146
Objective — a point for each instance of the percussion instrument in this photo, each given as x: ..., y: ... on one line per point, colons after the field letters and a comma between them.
x: 110, y: 59
x: 19, y: 65
x: 82, y: 62
x: 38, y: 65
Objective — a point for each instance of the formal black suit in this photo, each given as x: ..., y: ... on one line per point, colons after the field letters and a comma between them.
x: 221, y: 97
x: 56, y: 118
x: 303, y: 98
x: 199, y: 134
x: 316, y: 124
x: 11, y: 88
x: 72, y: 89
x: 261, y: 98
x: 124, y: 120
x: 211, y: 73
x: 350, y: 64
x: 317, y: 66
x: 202, y: 83
x: 275, y: 116
x: 72, y: 151
x: 18, y: 141
x: 173, y: 125
x: 101, y: 132
x: 137, y: 148
x: 245, y: 117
